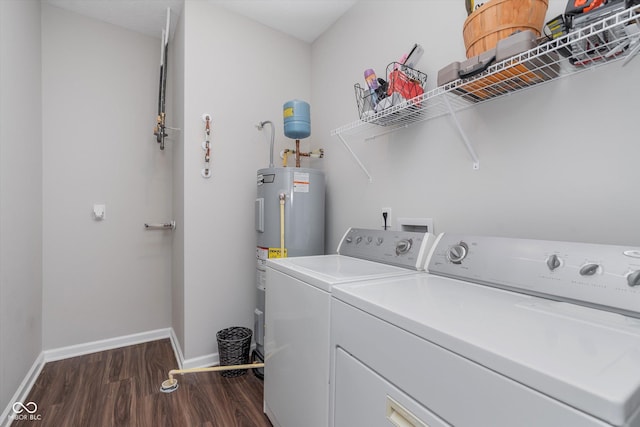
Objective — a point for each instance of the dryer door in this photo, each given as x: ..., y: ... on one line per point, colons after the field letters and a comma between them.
x: 366, y: 399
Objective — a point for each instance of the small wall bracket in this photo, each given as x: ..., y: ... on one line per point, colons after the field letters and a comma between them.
x: 206, y: 146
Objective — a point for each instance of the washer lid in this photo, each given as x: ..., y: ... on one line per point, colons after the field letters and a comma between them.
x: 325, y: 271
x: 587, y: 358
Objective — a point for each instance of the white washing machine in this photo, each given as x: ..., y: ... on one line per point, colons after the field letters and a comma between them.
x: 500, y: 332
x: 298, y: 296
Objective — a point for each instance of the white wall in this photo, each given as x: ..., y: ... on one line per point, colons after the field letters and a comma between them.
x: 241, y: 73
x: 20, y: 194
x: 176, y: 144
x: 110, y: 278
x: 556, y: 162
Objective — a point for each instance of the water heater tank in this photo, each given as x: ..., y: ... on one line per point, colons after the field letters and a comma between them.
x: 304, y: 191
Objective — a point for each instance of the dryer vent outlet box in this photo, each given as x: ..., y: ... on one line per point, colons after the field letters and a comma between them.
x: 419, y: 225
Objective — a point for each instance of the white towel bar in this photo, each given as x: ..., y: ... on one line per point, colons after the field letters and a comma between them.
x: 166, y: 226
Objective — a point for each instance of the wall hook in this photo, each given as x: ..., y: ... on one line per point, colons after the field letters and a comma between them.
x: 206, y: 146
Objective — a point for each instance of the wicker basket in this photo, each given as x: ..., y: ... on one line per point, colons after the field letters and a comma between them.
x: 233, y: 349
x: 498, y: 19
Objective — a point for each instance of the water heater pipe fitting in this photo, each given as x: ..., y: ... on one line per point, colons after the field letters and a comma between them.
x: 282, y: 198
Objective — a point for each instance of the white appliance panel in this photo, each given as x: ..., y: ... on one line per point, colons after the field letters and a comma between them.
x: 602, y: 276
x: 587, y: 358
x: 298, y: 298
x: 297, y: 358
x: 456, y: 389
x: 364, y: 398
x: 324, y: 271
x: 402, y: 248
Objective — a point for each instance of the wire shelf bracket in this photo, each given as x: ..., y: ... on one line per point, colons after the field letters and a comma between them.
x: 355, y: 157
x: 463, y: 135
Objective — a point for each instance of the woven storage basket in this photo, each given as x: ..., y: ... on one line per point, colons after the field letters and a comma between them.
x: 498, y: 19
x: 233, y: 349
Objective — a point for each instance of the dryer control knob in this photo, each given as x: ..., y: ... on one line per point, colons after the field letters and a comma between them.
x: 633, y: 278
x: 589, y: 269
x: 379, y: 241
x: 553, y: 262
x: 458, y: 252
x: 403, y: 246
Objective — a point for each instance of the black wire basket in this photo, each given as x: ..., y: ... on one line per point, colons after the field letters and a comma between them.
x: 233, y: 349
x: 403, y: 83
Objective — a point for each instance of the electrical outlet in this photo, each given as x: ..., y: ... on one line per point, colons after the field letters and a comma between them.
x: 388, y: 220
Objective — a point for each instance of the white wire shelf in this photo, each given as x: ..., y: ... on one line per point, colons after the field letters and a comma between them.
x: 612, y: 38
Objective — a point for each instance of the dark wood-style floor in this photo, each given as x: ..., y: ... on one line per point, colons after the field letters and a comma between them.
x: 121, y: 387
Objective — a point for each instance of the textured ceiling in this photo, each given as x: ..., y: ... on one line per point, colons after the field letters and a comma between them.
x: 303, y: 19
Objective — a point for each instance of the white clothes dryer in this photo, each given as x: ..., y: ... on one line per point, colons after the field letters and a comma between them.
x: 298, y: 295
x: 500, y: 332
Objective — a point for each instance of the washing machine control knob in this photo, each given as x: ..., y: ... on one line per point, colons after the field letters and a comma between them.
x: 358, y: 239
x: 633, y: 278
x: 458, y: 252
x: 379, y: 241
x: 348, y: 239
x: 553, y: 262
x: 403, y: 246
x: 589, y: 269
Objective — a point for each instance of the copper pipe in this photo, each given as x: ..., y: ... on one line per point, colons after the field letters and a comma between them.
x: 297, y: 153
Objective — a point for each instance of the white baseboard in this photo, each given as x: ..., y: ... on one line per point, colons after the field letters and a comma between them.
x: 23, y: 390
x: 108, y: 344
x: 177, y: 350
x: 201, y: 361
x: 205, y: 361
